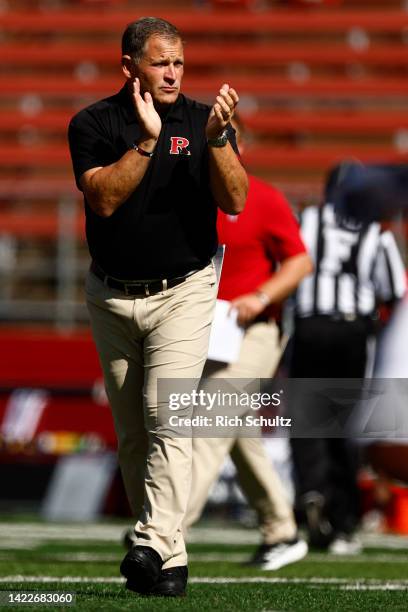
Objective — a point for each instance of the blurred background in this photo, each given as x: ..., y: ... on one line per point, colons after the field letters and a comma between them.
x: 320, y: 81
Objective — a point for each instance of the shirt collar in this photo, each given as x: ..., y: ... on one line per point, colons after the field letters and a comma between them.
x: 175, y: 112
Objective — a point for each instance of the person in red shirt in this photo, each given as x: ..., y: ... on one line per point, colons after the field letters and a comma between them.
x: 265, y: 259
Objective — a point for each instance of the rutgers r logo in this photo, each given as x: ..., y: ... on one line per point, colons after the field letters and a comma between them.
x: 179, y: 145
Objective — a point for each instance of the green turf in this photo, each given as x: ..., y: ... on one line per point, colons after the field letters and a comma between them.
x: 227, y: 597
x: 50, y: 559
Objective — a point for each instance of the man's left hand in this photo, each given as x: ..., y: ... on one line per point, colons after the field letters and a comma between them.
x: 248, y: 306
x: 222, y: 111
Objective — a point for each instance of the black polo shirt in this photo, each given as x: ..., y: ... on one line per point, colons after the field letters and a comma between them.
x: 167, y: 227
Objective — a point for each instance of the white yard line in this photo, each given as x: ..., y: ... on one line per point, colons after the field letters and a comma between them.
x: 81, y: 557
x: 84, y: 557
x: 26, y: 535
x: 61, y: 531
x: 342, y: 583
x: 370, y: 587
x: 360, y: 558
x: 51, y: 579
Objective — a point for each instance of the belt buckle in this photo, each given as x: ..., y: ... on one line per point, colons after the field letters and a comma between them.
x: 128, y: 287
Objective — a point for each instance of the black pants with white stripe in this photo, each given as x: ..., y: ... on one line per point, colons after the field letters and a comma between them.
x: 328, y: 348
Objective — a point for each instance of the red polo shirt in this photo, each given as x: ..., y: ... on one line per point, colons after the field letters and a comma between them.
x: 263, y: 235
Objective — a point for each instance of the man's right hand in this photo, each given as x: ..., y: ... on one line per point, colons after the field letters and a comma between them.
x: 148, y: 117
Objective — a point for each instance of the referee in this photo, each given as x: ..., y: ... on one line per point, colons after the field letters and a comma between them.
x: 356, y: 267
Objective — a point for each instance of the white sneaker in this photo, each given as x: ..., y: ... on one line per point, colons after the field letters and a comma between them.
x: 345, y: 545
x: 275, y: 556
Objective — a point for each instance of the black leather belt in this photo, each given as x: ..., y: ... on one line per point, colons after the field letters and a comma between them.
x: 139, y: 288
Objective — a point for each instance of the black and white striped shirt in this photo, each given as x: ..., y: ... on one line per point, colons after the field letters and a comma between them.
x: 355, y: 269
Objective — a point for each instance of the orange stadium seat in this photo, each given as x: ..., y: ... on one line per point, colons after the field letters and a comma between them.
x: 194, y: 21
x: 315, y: 3
x: 234, y: 4
x: 289, y: 157
x: 315, y: 83
x: 262, y: 123
x: 199, y: 54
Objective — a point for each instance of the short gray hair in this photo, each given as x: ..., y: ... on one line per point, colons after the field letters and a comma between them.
x: 138, y: 32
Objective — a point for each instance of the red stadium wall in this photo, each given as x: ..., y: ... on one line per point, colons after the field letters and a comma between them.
x: 66, y: 367
x: 44, y: 358
x: 61, y: 369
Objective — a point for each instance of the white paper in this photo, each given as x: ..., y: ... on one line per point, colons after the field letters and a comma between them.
x: 226, y: 336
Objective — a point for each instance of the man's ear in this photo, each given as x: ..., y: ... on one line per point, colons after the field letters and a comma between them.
x: 128, y: 67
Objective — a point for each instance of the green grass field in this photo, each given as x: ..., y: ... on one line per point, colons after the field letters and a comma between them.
x: 84, y: 560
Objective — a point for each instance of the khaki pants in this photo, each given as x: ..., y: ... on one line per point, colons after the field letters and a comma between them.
x: 259, y: 357
x: 140, y: 341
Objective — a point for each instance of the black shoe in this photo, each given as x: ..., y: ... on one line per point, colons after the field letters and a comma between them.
x: 141, y: 566
x: 319, y: 528
x: 172, y: 582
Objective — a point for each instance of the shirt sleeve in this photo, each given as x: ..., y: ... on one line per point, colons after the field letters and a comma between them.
x: 389, y: 272
x: 283, y: 238
x: 89, y: 144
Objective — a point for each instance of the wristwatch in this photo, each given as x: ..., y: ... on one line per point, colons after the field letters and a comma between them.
x: 220, y: 141
x: 263, y: 298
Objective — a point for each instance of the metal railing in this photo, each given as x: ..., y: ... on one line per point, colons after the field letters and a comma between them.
x: 42, y: 274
